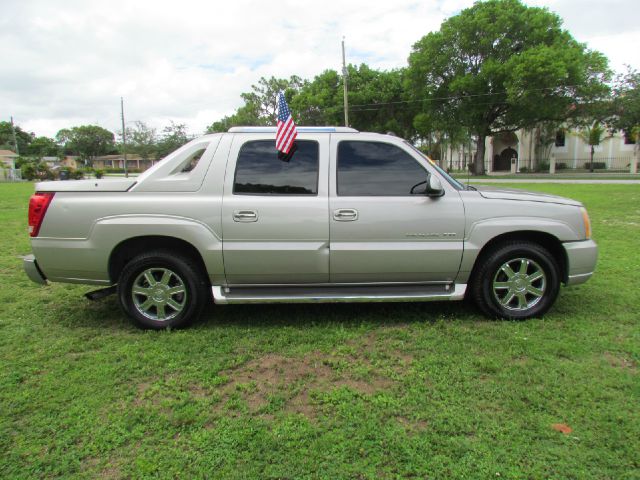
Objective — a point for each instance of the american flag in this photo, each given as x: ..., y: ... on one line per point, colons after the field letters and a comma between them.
x: 287, y: 132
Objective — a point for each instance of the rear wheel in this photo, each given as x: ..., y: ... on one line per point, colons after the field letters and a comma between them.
x: 516, y: 280
x: 160, y: 289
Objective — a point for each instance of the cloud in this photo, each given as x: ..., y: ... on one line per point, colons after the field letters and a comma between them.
x: 68, y: 63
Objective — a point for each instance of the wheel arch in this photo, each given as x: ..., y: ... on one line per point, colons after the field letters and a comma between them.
x: 131, y: 247
x: 546, y: 240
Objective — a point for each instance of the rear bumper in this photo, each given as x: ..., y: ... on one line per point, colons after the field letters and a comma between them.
x: 32, y: 270
x: 581, y: 260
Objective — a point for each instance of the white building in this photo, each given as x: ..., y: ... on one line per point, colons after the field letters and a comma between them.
x: 522, y: 151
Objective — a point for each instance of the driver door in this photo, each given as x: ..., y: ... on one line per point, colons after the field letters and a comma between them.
x: 384, y: 229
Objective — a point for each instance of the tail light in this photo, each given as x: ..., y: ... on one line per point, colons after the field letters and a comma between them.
x: 38, y: 204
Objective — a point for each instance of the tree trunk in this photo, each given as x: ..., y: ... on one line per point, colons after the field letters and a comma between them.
x: 478, y: 168
x: 591, y: 161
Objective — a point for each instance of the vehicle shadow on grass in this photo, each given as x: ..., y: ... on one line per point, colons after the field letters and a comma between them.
x: 106, y: 313
x: 352, y: 314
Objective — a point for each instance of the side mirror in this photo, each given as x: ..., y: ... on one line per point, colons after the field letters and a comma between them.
x: 433, y: 187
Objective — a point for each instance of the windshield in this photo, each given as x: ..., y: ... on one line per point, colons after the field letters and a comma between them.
x: 452, y: 181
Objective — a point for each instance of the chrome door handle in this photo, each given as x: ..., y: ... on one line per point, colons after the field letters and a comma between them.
x: 345, y: 215
x: 245, y: 216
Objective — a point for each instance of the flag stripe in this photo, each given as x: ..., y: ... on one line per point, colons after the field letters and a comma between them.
x: 286, y: 132
x: 293, y: 136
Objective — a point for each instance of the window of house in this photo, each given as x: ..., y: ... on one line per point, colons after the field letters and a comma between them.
x: 629, y: 138
x: 377, y: 169
x: 560, y: 138
x: 259, y: 170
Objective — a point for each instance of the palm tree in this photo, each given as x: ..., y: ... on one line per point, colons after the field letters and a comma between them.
x: 593, y: 135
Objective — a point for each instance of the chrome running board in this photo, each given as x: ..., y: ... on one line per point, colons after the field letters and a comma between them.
x: 384, y: 293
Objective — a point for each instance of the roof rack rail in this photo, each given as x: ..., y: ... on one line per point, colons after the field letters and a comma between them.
x: 300, y: 130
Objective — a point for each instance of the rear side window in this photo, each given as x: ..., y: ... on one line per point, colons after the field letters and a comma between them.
x: 259, y: 171
x: 377, y: 169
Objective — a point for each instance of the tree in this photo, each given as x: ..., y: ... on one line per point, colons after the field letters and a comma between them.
x: 592, y: 135
x: 260, y: 105
x: 142, y: 140
x: 627, y: 106
x: 376, y: 100
x: 319, y: 102
x: 22, y: 138
x: 500, y: 66
x: 173, y: 137
x: 43, y: 147
x: 546, y: 134
x: 87, y: 141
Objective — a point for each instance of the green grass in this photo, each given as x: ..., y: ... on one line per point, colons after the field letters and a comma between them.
x: 427, y: 390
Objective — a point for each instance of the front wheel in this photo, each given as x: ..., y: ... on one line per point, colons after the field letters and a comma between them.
x: 516, y: 280
x: 161, y: 289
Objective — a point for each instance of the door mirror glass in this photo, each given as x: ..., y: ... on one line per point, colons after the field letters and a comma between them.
x: 434, y: 187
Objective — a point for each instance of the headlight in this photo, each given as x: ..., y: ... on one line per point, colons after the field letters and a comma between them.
x: 587, y: 223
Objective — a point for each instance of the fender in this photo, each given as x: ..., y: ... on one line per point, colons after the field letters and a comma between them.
x: 483, y: 231
x: 86, y: 260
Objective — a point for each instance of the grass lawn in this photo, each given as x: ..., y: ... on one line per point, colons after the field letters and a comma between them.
x: 424, y: 390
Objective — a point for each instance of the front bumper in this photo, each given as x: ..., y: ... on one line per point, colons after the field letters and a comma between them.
x: 32, y: 270
x: 581, y: 260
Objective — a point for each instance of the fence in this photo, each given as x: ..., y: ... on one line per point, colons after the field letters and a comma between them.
x: 609, y: 164
x: 10, y: 174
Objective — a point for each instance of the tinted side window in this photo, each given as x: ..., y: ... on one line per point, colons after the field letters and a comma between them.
x: 377, y: 169
x: 259, y: 171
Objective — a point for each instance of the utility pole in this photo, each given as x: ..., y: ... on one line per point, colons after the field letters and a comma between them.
x: 15, y: 142
x: 124, y: 138
x: 345, y: 74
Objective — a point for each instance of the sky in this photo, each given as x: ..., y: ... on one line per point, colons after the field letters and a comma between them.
x: 65, y: 63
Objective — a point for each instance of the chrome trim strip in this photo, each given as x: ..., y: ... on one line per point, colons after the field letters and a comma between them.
x: 222, y: 298
x: 339, y: 284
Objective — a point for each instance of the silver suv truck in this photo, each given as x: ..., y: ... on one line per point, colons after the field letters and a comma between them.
x: 348, y: 217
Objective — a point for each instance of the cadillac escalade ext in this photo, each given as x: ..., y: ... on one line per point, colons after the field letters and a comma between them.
x: 349, y: 217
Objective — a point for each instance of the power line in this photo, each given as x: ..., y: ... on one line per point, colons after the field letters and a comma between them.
x: 355, y: 108
x: 455, y: 97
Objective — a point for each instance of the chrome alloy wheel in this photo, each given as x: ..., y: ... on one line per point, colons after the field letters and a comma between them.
x: 519, y: 284
x: 159, y: 294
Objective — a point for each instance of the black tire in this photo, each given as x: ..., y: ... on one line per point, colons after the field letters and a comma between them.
x: 498, y: 293
x: 178, y: 296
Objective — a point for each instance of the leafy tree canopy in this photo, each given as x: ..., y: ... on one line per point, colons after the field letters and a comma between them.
x: 376, y: 100
x: 501, y: 66
x: 6, y: 138
x: 173, y: 137
x: 42, y: 147
x: 260, y: 105
x: 141, y: 140
x: 87, y: 141
x: 627, y: 103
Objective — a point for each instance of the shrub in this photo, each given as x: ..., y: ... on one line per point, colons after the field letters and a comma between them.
x: 543, y: 167
x: 596, y: 165
x: 98, y: 173
x: 36, y: 171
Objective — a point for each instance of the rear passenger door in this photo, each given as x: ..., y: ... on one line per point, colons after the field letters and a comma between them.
x: 275, y: 213
x: 383, y: 227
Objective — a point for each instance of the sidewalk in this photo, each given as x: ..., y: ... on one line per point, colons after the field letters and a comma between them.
x: 550, y: 180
